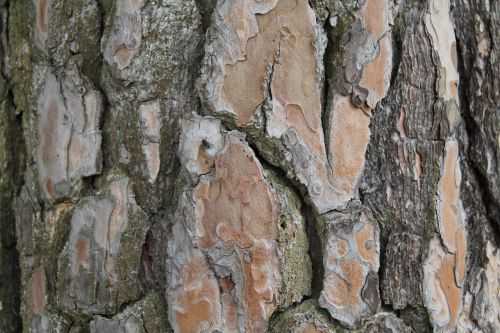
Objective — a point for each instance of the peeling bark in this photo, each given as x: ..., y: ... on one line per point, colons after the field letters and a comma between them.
x: 350, y: 286
x: 249, y: 166
x: 239, y: 268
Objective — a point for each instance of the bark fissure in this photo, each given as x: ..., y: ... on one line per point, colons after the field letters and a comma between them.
x: 11, y: 169
x: 311, y: 217
x: 488, y: 200
x: 327, y: 89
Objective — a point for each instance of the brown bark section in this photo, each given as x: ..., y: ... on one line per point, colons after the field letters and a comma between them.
x: 249, y: 166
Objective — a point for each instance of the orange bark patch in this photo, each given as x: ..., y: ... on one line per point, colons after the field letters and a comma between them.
x: 49, y: 138
x: 82, y: 252
x: 238, y: 208
x: 262, y: 268
x: 449, y: 187
x: 192, y: 271
x: 226, y: 285
x: 241, y: 203
x: 295, y: 85
x: 287, y: 28
x: 150, y: 118
x: 205, y: 161
x: 229, y: 234
x: 42, y: 15
x: 64, y: 152
x: 339, y: 248
x: 125, y: 38
x: 375, y: 15
x: 197, y: 301
x: 367, y: 247
x: 442, y: 293
x: 349, y: 132
x: 349, y: 138
x: 376, y: 74
x: 345, y: 290
x: 54, y: 131
x: 123, y: 56
x: 259, y: 288
x: 41, y: 27
x: 36, y: 291
x: 192, y: 321
x: 49, y: 186
x: 460, y: 256
x: 446, y: 277
x: 309, y: 132
x: 230, y: 313
x: 244, y: 82
x: 77, y: 150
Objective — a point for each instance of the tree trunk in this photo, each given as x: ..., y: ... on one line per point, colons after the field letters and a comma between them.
x: 249, y: 166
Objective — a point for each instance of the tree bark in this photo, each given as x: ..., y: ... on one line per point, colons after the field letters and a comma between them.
x: 249, y: 166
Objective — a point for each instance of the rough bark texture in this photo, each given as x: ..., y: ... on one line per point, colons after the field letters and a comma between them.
x: 249, y: 166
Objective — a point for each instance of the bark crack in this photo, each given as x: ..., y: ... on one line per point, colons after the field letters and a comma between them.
x: 326, y: 91
x: 489, y: 203
x: 11, y: 181
x: 310, y: 217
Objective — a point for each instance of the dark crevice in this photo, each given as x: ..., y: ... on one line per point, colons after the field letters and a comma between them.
x: 389, y: 220
x: 415, y: 317
x: 315, y: 250
x: 125, y: 305
x: 147, y: 274
x: 105, y: 107
x: 90, y: 182
x: 11, y: 181
x: 471, y: 128
x: 327, y: 90
x: 333, y: 60
x: 492, y: 207
x: 206, y: 8
x: 397, y: 47
x: 310, y: 217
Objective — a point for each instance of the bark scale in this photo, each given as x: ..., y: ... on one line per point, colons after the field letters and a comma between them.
x: 249, y: 166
